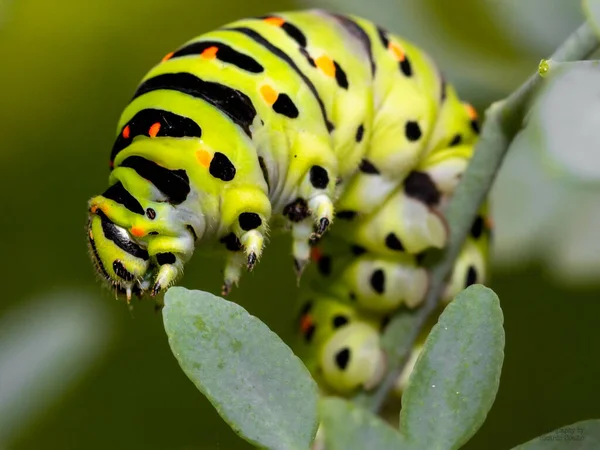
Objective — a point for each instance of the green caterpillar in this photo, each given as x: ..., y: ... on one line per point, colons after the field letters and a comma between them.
x: 294, y: 120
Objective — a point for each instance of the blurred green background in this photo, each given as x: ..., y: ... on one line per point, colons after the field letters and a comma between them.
x: 79, y: 371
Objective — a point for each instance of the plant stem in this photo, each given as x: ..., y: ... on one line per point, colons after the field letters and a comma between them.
x: 503, y: 120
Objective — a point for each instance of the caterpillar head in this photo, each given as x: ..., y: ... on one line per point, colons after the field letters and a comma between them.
x: 117, y: 256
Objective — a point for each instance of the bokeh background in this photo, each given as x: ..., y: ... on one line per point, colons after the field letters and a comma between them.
x: 79, y: 371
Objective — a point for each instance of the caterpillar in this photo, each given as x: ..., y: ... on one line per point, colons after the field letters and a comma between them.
x: 323, y: 125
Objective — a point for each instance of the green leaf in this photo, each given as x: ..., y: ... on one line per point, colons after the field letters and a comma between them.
x: 347, y: 426
x: 584, y: 435
x: 456, y: 377
x: 254, y: 381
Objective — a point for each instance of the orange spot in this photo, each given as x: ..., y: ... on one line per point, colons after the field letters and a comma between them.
x: 204, y: 158
x: 137, y: 231
x: 315, y: 253
x: 471, y: 111
x: 305, y: 323
x: 126, y: 132
x: 275, y: 21
x: 94, y: 209
x: 269, y: 94
x: 168, y: 56
x: 396, y: 51
x: 325, y: 63
x: 489, y: 223
x: 154, y: 129
x: 210, y: 52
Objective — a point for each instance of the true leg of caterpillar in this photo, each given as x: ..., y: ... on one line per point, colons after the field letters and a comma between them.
x: 233, y: 271
x: 170, y: 253
x: 322, y: 212
x: 301, y: 233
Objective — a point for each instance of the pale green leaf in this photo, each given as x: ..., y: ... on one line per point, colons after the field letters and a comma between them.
x: 456, y: 377
x: 347, y: 426
x: 254, y: 381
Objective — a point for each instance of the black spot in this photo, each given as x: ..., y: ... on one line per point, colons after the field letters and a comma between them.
x: 165, y: 258
x: 232, y: 243
x: 310, y: 332
x: 456, y: 140
x: 342, y: 358
x: 383, y: 37
x: 471, y: 277
x: 297, y: 210
x: 150, y: 213
x: 174, y: 184
x: 309, y: 58
x: 340, y: 76
x: 339, y: 321
x: 235, y: 104
x: 420, y: 257
x: 290, y: 62
x: 356, y: 31
x: 346, y: 214
x: 477, y: 228
x: 443, y: 88
x: 249, y: 221
x: 324, y: 265
x: 393, y: 243
x: 319, y: 177
x: 221, y: 167
x: 378, y: 281
x: 306, y: 308
x: 412, y: 130
x: 360, y: 131
x: 420, y: 186
x: 191, y: 230
x: 171, y: 125
x: 295, y: 33
x: 224, y: 53
x: 119, y: 194
x: 121, y: 271
x: 357, y: 250
x: 153, y: 233
x: 367, y: 167
x: 475, y: 126
x: 352, y: 296
x: 406, y: 67
x: 285, y: 106
x: 263, y: 168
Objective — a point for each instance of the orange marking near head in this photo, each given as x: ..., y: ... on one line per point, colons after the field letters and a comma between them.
x: 93, y: 209
x: 137, y: 231
x: 489, y: 223
x: 126, y: 132
x: 276, y: 21
x: 210, y: 52
x: 168, y: 56
x: 154, y: 129
x: 305, y: 323
x: 472, y: 112
x: 325, y: 63
x: 396, y: 51
x: 204, y: 158
x: 269, y: 94
x: 315, y: 253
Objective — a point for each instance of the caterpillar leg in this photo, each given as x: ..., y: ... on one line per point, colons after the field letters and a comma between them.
x: 301, y: 233
x: 170, y: 254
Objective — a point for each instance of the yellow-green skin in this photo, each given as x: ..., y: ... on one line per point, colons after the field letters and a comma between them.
x: 398, y: 141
